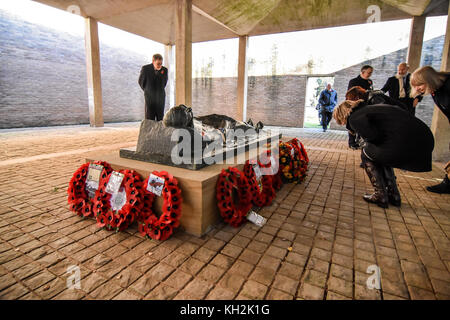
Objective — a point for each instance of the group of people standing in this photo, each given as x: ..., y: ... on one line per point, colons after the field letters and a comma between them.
x: 387, y: 131
x: 383, y: 127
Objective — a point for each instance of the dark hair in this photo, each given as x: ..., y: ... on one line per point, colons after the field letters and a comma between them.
x: 157, y: 56
x: 365, y: 67
x: 356, y: 93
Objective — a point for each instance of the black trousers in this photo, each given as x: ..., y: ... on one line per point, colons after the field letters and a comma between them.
x: 154, y: 106
x: 326, y: 118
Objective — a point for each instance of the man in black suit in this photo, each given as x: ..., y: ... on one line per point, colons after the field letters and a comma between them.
x: 363, y: 81
x: 153, y: 80
x: 399, y: 88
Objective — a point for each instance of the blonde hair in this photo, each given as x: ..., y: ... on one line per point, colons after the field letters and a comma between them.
x: 342, y: 111
x: 427, y: 75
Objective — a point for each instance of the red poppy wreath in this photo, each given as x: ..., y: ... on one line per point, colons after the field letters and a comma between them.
x: 234, y: 197
x: 277, y: 182
x: 118, y: 210
x: 79, y: 199
x: 150, y: 225
x: 262, y: 190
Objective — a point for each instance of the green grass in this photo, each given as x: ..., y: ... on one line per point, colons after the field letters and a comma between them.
x: 311, y: 125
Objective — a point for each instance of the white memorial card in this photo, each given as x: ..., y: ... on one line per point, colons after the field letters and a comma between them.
x: 155, y: 184
x: 256, y: 219
x: 115, y: 180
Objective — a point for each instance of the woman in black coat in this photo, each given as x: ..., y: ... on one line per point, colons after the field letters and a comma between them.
x: 425, y: 81
x: 393, y: 138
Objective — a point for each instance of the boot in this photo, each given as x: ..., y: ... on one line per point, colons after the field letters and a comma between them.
x: 376, y: 176
x: 391, y: 186
x: 443, y: 187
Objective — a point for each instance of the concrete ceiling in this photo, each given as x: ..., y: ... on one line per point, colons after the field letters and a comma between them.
x: 222, y: 19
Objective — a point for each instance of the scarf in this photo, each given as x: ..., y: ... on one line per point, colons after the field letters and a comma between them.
x: 401, y: 91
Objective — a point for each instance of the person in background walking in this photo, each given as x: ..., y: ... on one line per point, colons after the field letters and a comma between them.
x: 327, y: 102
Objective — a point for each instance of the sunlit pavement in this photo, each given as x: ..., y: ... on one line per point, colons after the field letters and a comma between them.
x: 319, y: 240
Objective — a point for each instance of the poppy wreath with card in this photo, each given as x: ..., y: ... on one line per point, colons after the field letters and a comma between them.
x: 289, y: 163
x: 234, y: 197
x: 302, y: 155
x: 117, y: 211
x: 262, y: 190
x: 77, y: 195
x: 161, y: 228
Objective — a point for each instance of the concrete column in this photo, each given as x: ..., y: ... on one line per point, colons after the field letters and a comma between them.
x: 415, y: 42
x: 94, y: 79
x: 242, y: 85
x: 183, y: 48
x: 169, y: 63
x: 439, y: 123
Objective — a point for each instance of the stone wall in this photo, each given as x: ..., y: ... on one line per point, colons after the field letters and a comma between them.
x: 43, y: 78
x: 277, y: 100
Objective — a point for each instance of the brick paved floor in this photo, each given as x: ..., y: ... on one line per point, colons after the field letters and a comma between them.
x: 317, y: 244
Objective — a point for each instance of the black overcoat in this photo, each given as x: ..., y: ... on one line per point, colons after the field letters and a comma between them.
x: 154, y: 83
x: 394, y: 138
x: 366, y: 84
x: 442, y: 97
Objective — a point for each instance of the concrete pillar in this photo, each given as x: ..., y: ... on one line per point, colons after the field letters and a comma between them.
x: 183, y: 48
x: 94, y: 79
x: 415, y: 42
x: 242, y: 84
x: 169, y: 63
x: 439, y: 123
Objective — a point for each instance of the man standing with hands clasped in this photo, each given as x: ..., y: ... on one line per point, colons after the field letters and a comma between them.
x: 153, y: 80
x: 399, y: 88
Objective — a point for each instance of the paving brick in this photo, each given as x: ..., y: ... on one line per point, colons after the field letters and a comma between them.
x: 106, y: 291
x: 192, y: 266
x: 263, y: 275
x: 232, y: 250
x: 250, y: 256
x: 341, y: 272
x: 178, y: 279
x: 254, y: 290
x: 162, y: 292
x: 420, y: 294
x: 231, y: 282
x: 275, y: 294
x: 285, y: 284
x: 315, y: 278
x: 219, y: 293
x: 310, y: 292
x: 195, y: 290
x: 211, y: 273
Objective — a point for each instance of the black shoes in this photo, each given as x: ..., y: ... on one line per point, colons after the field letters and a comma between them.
x: 441, y: 188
